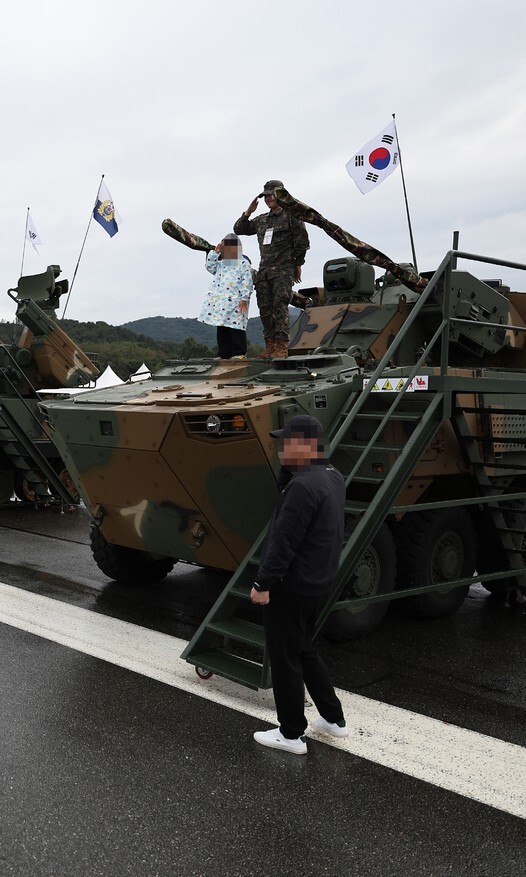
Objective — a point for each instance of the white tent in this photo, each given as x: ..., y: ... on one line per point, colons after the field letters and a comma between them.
x: 142, y: 373
x: 108, y: 378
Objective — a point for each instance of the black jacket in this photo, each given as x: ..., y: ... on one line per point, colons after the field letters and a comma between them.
x: 304, y: 541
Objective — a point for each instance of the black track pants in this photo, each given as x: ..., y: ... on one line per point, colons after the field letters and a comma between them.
x: 294, y: 660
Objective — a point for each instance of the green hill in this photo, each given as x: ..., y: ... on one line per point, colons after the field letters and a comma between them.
x: 152, y: 340
x: 178, y: 329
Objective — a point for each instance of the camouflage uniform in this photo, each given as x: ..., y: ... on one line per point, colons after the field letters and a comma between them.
x: 275, y: 276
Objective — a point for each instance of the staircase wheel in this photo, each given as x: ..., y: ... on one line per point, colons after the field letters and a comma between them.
x: 435, y: 546
x: 203, y: 674
x: 374, y: 574
x: 491, y: 556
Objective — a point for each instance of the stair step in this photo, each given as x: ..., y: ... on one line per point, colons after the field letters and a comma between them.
x: 242, y: 631
x: 242, y: 591
x: 231, y: 667
x: 511, y: 530
x: 497, y: 464
x: 378, y: 446
x: 356, y: 508
x: 9, y: 447
x: 409, y: 416
x: 368, y: 479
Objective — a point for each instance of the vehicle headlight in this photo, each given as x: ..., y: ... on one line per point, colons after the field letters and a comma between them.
x: 213, y: 423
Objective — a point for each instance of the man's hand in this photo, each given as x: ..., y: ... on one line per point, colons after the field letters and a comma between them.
x: 260, y: 598
x: 252, y: 207
x: 219, y: 248
x: 297, y: 274
x: 243, y: 306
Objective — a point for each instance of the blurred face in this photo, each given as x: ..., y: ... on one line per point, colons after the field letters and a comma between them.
x: 271, y: 202
x: 231, y: 250
x: 298, y: 451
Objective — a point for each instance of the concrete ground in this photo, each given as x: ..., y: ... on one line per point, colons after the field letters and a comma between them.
x: 108, y: 771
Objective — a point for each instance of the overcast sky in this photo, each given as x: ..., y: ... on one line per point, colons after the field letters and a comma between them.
x: 188, y: 108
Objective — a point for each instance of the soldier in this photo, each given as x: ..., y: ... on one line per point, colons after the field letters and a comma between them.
x: 283, y: 242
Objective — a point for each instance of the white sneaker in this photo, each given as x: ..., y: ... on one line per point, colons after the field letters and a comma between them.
x: 321, y: 724
x: 275, y: 740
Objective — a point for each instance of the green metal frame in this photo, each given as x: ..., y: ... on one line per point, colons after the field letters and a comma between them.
x: 206, y: 649
x: 33, y: 458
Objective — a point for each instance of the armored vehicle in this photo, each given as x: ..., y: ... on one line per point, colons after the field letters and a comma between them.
x: 419, y: 382
x: 42, y: 358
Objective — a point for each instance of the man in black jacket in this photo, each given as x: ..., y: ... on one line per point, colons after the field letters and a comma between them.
x: 299, y: 563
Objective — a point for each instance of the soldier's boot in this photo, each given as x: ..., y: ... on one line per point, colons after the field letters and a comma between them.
x: 269, y: 349
x: 281, y: 350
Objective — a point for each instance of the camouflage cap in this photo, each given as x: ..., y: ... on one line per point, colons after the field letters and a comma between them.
x: 268, y: 188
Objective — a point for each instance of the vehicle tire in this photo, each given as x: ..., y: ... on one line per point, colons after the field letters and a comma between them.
x: 435, y: 546
x: 491, y: 556
x: 66, y: 479
x: 129, y: 566
x: 25, y: 490
x: 374, y: 574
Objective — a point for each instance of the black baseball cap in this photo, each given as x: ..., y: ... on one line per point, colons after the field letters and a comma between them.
x: 301, y: 426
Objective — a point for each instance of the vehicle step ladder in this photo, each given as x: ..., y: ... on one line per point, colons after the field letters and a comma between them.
x: 227, y: 645
x: 27, y: 459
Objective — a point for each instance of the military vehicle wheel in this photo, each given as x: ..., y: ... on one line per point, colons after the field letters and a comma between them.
x: 491, y: 556
x: 374, y: 574
x: 435, y: 546
x: 25, y: 490
x: 66, y: 480
x: 7, y: 485
x: 129, y: 566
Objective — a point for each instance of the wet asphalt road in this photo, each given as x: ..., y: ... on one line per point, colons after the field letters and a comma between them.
x: 107, y: 772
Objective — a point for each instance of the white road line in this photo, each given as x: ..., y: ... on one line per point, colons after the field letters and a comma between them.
x: 482, y: 768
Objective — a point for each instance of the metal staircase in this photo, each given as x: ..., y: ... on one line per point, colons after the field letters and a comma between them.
x: 27, y: 459
x: 233, y: 647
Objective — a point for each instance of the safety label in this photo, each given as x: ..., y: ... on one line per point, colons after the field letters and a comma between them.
x: 394, y: 385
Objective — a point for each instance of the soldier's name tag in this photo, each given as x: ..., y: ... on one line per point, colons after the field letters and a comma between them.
x: 268, y: 236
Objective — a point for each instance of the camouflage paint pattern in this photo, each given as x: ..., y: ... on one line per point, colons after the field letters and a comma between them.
x: 43, y: 358
x: 182, y: 465
x: 358, y: 248
x: 178, y: 233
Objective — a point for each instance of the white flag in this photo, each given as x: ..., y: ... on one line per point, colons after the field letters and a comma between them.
x: 375, y: 161
x: 32, y: 234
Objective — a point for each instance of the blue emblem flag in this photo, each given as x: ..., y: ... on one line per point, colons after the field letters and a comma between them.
x: 375, y: 161
x: 104, y: 211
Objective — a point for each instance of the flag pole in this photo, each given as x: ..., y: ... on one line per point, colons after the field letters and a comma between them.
x: 24, y: 247
x: 82, y: 247
x: 405, y: 198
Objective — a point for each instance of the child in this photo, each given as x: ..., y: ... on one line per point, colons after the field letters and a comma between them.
x: 226, y: 303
